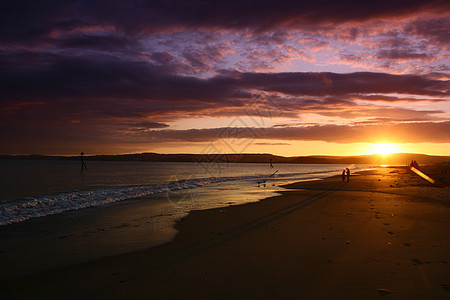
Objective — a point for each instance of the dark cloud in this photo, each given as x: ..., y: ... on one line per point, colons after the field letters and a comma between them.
x: 352, y: 58
x: 31, y: 23
x: 171, y: 63
x: 385, y: 98
x: 398, y: 133
x: 98, y: 42
x: 26, y: 23
x: 435, y: 30
x: 53, y: 77
x: 200, y: 61
x: 403, y: 54
x: 348, y: 35
x: 395, y: 41
x: 106, y: 85
x: 144, y: 125
x: 322, y: 84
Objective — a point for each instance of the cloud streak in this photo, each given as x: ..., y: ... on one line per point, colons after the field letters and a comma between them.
x: 398, y: 133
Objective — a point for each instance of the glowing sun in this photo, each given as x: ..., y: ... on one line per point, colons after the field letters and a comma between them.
x: 384, y: 148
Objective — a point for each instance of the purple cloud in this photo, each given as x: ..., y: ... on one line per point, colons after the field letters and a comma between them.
x: 125, y: 70
x: 398, y: 133
x: 26, y: 23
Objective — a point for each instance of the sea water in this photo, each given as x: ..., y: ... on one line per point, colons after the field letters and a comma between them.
x: 38, y: 188
x: 53, y: 215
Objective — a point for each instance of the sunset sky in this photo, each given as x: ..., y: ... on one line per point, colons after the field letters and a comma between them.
x: 282, y: 77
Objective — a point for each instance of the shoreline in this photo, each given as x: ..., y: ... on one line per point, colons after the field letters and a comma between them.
x: 219, y: 246
x: 78, y: 236
x: 79, y: 191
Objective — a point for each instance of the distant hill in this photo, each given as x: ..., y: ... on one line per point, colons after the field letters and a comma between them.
x: 375, y: 159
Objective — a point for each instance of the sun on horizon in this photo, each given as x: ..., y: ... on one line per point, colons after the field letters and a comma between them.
x: 384, y: 149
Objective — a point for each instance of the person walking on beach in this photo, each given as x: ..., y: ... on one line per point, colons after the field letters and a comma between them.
x: 83, y: 165
x: 348, y: 174
x: 343, y: 175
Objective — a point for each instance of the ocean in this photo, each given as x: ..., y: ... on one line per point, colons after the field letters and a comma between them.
x: 38, y: 188
x: 54, y: 215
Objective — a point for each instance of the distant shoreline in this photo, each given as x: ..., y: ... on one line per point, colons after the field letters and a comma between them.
x: 400, y: 159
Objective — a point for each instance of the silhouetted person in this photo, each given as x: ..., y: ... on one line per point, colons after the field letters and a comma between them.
x: 343, y: 175
x: 348, y: 174
x: 83, y: 165
x: 271, y: 165
x: 414, y: 164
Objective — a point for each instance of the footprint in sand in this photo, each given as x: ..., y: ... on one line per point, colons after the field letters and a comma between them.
x: 417, y: 262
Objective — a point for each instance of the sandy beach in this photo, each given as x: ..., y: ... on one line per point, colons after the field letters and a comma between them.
x: 386, y: 233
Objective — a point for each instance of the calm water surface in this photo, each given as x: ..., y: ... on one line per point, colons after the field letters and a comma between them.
x: 30, y: 189
x: 45, y: 220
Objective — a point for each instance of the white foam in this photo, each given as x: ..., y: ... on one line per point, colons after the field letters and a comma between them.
x: 13, y: 211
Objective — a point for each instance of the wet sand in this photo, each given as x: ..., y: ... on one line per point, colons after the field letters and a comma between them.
x: 385, y: 233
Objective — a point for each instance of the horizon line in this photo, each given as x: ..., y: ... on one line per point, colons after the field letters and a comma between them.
x: 206, y: 154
